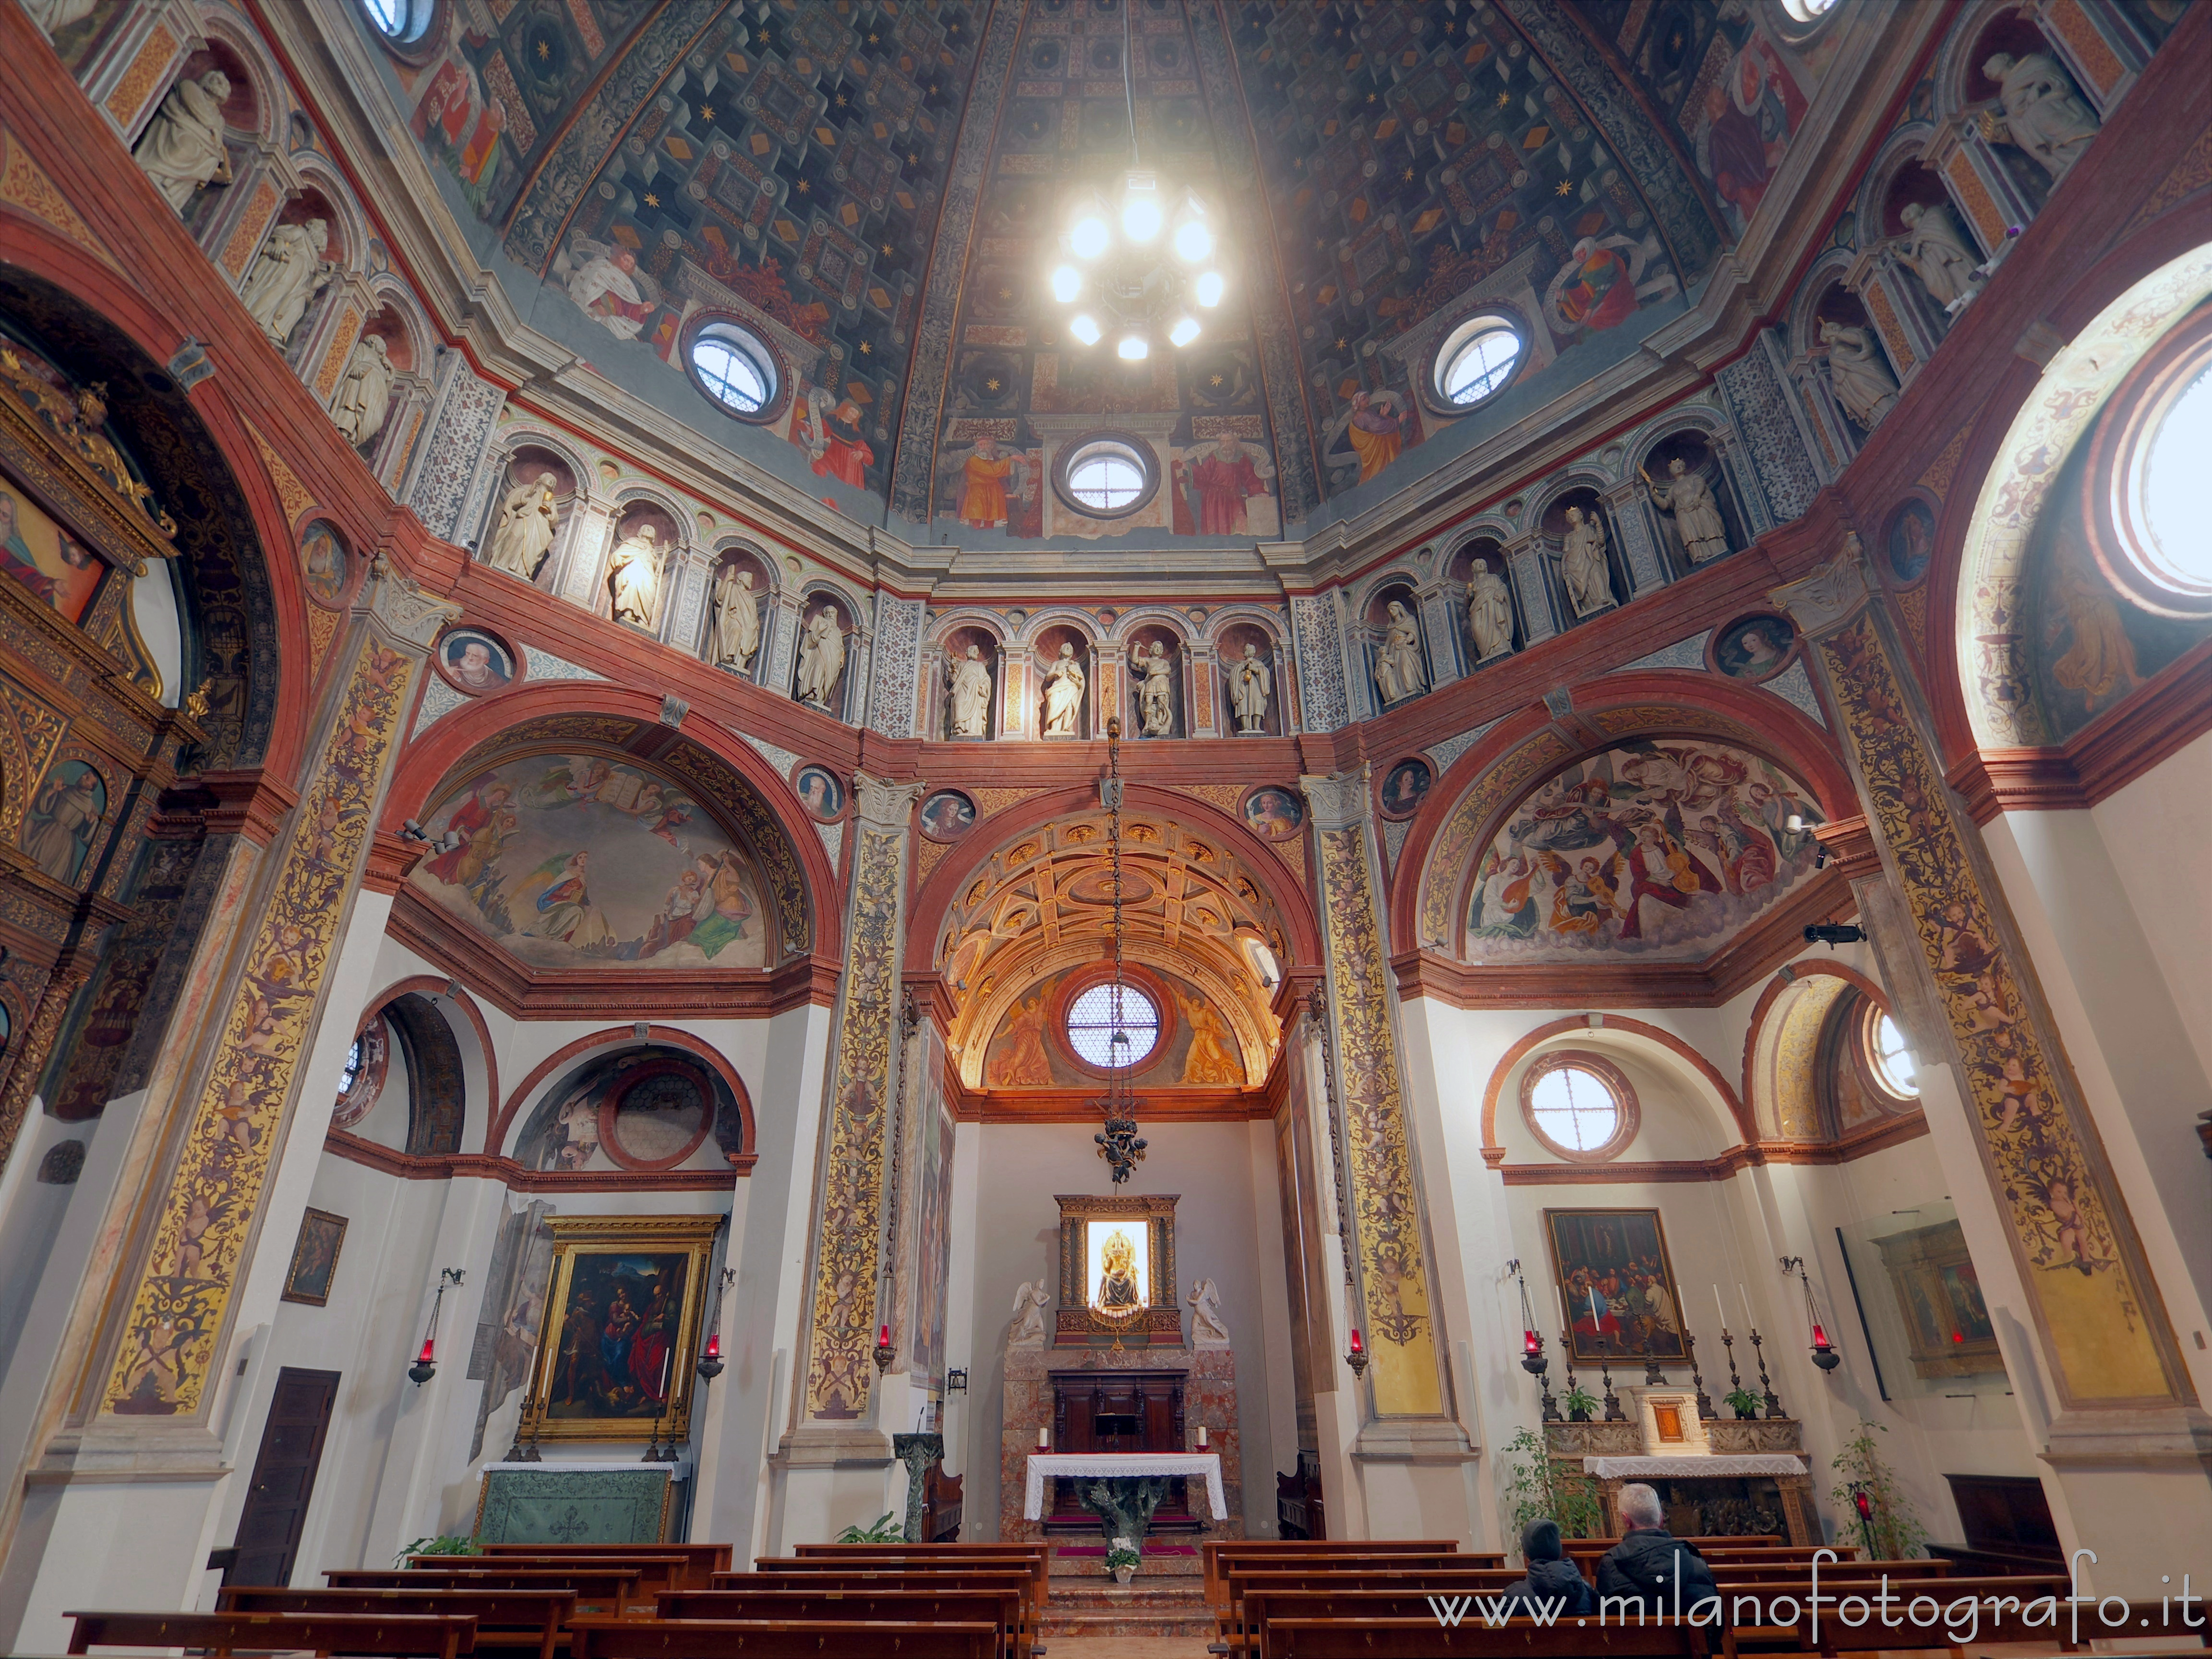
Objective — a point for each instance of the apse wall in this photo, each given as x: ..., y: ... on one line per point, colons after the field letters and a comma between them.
x: 1228, y: 1229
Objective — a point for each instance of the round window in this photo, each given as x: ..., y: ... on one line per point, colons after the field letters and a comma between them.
x: 1580, y: 1105
x: 1807, y: 11
x: 1113, y: 1026
x: 399, y: 21
x: 735, y: 368
x: 1888, y: 1057
x: 1108, y: 475
x: 1476, y: 361
x: 352, y: 1068
x: 2180, y: 553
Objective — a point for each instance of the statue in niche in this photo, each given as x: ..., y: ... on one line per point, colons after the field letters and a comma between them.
x: 181, y: 149
x: 1698, y: 524
x: 365, y: 394
x: 1398, y: 672
x: 969, y: 681
x: 820, y: 657
x: 286, y: 277
x: 2043, y: 113
x: 1864, y: 385
x: 733, y: 631
x: 528, y: 517
x: 1935, y: 248
x: 1207, y: 1328
x: 1582, y: 564
x: 1119, y: 1292
x: 634, y: 578
x: 1030, y: 1301
x: 1489, y: 612
x: 1063, y: 694
x: 1249, y: 686
x: 1155, y: 694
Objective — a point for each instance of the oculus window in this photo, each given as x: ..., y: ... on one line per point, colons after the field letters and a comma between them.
x: 1580, y: 1105
x: 402, y: 22
x: 1887, y: 1056
x: 1106, y: 476
x: 735, y: 368
x: 2179, y: 557
x: 1476, y: 361
x: 1109, y: 1036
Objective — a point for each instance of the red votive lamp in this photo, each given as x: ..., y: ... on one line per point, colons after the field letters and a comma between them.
x: 1357, y: 1359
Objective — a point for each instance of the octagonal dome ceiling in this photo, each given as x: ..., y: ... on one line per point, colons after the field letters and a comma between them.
x: 879, y: 190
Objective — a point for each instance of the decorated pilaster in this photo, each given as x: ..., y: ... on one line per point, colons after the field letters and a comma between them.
x: 1410, y: 1450
x: 1988, y: 198
x: 1638, y: 521
x: 834, y: 1462
x: 2124, y: 1411
x: 1440, y: 627
x: 1525, y: 559
x: 2104, y: 48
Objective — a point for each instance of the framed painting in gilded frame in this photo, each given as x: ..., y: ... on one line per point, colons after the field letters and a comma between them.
x: 1117, y: 1271
x: 1618, y: 1283
x: 620, y: 1329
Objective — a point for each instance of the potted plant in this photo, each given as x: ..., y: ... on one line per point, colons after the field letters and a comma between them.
x: 1580, y: 1403
x: 1540, y: 1487
x: 1743, y: 1402
x: 444, y: 1544
x: 1121, y: 1560
x: 1887, y: 1524
x: 886, y: 1531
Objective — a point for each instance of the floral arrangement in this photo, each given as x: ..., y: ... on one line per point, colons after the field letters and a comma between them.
x: 1122, y: 1553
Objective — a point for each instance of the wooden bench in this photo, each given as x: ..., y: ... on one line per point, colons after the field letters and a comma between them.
x: 1584, y: 1552
x: 2000, y: 1615
x: 513, y: 1620
x: 1757, y: 1572
x: 704, y: 1560
x: 658, y: 1570
x: 912, y: 1605
x: 1230, y: 1568
x: 1238, y: 1630
x: 1030, y: 1569
x: 399, y: 1636
x: 1211, y: 1552
x: 928, y: 1558
x: 1518, y: 1638
x: 599, y: 1590
x: 765, y: 1638
x: 864, y: 1581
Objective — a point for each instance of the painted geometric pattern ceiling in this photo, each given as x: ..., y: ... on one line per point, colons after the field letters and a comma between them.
x: 656, y: 159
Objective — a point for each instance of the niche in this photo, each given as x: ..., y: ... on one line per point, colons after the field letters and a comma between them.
x: 1155, y: 673
x: 517, y: 539
x: 1584, y: 592
x: 308, y: 205
x: 2008, y: 33
x: 1063, y: 665
x: 1236, y: 645
x: 739, y: 582
x: 1397, y: 655
x: 826, y: 626
x: 640, y: 565
x: 241, y: 119
x: 1695, y: 452
x: 958, y: 644
x: 1461, y: 570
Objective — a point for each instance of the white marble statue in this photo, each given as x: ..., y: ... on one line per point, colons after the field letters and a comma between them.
x: 1398, y: 671
x: 1935, y: 248
x: 2043, y: 113
x: 1030, y: 1301
x: 1582, y: 564
x: 969, y: 681
x: 1250, y: 685
x: 1489, y: 612
x: 289, y: 273
x: 634, y: 578
x: 820, y: 657
x: 364, y: 397
x: 1864, y: 385
x: 55, y: 16
x: 1698, y: 524
x: 524, y: 528
x: 1155, y: 694
x: 1208, y: 1329
x: 733, y: 629
x: 181, y: 149
x: 1063, y: 695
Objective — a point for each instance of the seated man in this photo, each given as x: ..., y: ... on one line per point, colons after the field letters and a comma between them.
x: 1640, y: 1570
x: 1552, y: 1588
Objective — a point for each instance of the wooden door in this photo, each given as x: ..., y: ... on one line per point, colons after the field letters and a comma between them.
x: 283, y: 1478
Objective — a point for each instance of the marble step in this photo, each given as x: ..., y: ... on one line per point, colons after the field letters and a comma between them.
x: 1159, y: 1563
x: 1137, y: 1609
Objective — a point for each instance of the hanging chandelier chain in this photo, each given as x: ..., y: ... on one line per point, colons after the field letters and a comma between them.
x: 1129, y: 83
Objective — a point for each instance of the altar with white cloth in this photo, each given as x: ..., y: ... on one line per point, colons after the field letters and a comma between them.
x: 1121, y: 1489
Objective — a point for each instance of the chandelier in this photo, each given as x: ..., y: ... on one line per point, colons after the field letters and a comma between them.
x: 1141, y: 268
x: 1118, y: 1142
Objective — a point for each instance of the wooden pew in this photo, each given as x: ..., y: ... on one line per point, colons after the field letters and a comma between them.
x: 863, y: 1580
x: 658, y: 1570
x: 929, y: 1557
x: 508, y: 1620
x: 1747, y: 1609
x: 1755, y: 1572
x: 1379, y: 1568
x: 397, y: 1636
x: 1238, y: 1632
x: 730, y: 1638
x: 705, y: 1560
x: 1518, y: 1638
x: 912, y: 1605
x: 1210, y: 1552
x: 599, y: 1590
x: 1584, y: 1552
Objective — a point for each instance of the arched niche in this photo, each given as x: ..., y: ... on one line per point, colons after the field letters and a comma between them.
x: 1174, y: 651
x: 1233, y: 643
x: 529, y: 463
x: 638, y: 592
x: 632, y: 1108
x: 1055, y: 642
x: 1806, y: 1074
x: 245, y: 118
x: 1553, y: 525
x: 738, y: 578
x: 311, y: 206
x: 1458, y: 568
x: 406, y: 1084
x: 829, y: 640
x: 1695, y: 449
x: 1687, y: 1111
x: 955, y: 643
x: 1390, y: 682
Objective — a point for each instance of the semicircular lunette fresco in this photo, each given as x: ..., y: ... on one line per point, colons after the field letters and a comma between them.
x: 573, y: 862
x: 1655, y: 847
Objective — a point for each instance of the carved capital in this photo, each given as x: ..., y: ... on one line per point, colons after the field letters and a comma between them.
x: 253, y: 804
x: 1850, y: 847
x: 390, y: 859
x: 884, y: 805
x: 1339, y: 801
x: 402, y: 609
x: 1834, y: 594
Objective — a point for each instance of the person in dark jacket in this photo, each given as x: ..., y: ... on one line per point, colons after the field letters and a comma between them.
x: 1640, y: 1570
x: 1552, y: 1587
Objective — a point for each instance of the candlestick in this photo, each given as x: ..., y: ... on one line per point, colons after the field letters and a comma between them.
x: 1765, y: 1387
x: 1613, y: 1411
x: 1653, y: 1377
x: 1705, y: 1402
x: 1736, y: 1382
x: 1567, y: 1350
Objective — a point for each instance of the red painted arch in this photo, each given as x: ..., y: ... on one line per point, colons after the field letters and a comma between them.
x: 427, y: 761
x: 1494, y: 1150
x: 435, y: 986
x: 1763, y: 723
x: 665, y: 1035
x: 1291, y: 901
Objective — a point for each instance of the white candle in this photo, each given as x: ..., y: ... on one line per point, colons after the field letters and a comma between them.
x: 1201, y: 1437
x: 1044, y: 1438
x: 1597, y: 1325
x: 1718, y: 1308
x: 1749, y: 1323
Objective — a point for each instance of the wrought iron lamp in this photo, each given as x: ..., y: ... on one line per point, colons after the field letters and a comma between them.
x: 710, y: 1362
x: 1357, y: 1358
x: 426, y: 1363
x: 1824, y: 1351
x: 1119, y: 1143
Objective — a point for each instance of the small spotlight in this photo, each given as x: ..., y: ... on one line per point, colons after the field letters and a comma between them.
x: 1193, y: 241
x: 1066, y: 283
x: 1832, y: 934
x: 1184, y: 331
x: 1208, y: 288
x: 1133, y: 349
x: 1083, y: 327
x: 1090, y: 237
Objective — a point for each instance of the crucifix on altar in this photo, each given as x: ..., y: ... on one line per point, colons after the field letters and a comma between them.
x: 1127, y: 1422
